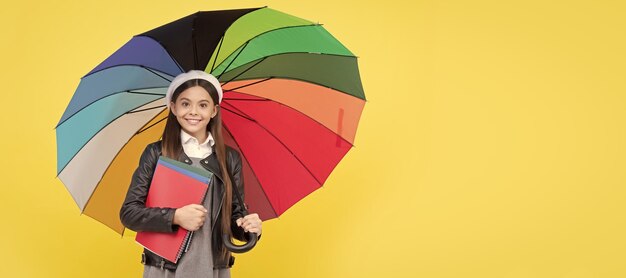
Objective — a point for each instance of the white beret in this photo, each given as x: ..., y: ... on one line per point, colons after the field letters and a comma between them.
x: 192, y: 74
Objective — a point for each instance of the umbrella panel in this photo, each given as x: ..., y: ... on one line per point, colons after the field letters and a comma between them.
x: 111, y: 190
x: 336, y: 72
x: 249, y: 26
x: 335, y: 110
x: 283, y: 148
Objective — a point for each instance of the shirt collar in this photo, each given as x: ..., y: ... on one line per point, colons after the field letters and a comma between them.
x: 186, y: 138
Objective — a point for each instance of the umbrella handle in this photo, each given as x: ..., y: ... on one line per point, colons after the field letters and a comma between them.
x: 252, y: 238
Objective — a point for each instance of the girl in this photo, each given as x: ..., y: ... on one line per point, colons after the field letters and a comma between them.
x: 193, y: 134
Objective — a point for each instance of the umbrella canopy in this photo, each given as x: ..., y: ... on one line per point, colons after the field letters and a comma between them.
x: 292, y: 102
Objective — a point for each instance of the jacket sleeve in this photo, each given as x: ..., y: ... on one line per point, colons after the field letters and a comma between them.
x: 134, y: 214
x: 234, y: 166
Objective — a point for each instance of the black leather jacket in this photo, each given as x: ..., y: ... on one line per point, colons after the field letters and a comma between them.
x: 135, y: 216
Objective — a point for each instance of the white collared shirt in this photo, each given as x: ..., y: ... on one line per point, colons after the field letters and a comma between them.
x: 194, y: 149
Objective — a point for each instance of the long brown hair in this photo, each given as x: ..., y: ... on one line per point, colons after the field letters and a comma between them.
x: 172, y: 147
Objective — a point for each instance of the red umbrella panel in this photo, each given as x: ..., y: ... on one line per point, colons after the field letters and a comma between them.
x: 293, y: 133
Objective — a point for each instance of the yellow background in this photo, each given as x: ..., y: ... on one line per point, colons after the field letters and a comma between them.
x: 492, y: 144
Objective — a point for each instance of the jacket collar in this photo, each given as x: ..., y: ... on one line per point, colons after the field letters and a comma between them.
x: 210, y: 163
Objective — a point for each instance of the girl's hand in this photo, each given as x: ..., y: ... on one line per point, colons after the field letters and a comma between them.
x: 250, y: 223
x: 191, y: 217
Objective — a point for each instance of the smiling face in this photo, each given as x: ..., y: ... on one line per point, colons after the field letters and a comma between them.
x: 193, y: 109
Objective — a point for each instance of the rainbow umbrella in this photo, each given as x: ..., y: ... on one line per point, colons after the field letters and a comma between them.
x: 292, y: 102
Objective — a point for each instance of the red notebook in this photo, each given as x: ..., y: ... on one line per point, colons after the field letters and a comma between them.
x: 174, y: 185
